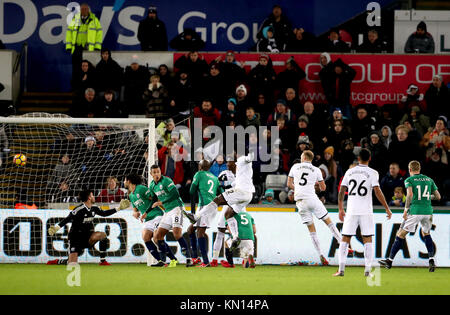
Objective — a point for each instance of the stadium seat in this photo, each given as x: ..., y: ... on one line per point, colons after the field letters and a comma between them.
x: 276, y: 182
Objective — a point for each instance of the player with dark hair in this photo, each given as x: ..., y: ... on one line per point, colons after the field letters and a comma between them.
x: 420, y: 191
x: 82, y: 234
x: 164, y: 189
x: 360, y: 181
x: 208, y: 187
x: 142, y: 205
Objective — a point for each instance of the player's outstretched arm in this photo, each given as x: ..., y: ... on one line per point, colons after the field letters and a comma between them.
x: 341, y: 197
x: 55, y: 228
x: 124, y: 204
x: 104, y: 213
x: 380, y: 196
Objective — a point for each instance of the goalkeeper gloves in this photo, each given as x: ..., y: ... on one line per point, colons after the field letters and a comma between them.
x: 53, y: 229
x: 124, y: 204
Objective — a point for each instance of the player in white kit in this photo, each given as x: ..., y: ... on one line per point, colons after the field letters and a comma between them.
x: 236, y: 198
x: 302, y: 179
x: 359, y: 181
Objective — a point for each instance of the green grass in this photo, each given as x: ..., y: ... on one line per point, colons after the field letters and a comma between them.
x: 264, y: 280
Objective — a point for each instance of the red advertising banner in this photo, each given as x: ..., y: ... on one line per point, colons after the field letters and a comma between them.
x: 380, y: 79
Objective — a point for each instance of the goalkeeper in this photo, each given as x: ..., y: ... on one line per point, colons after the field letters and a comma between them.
x: 82, y: 234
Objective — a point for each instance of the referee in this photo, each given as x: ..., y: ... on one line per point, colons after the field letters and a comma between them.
x: 82, y: 234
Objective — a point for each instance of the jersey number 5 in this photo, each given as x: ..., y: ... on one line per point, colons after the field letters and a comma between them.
x: 303, y: 180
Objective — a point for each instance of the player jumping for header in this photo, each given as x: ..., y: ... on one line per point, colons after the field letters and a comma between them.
x: 236, y: 198
x: 82, y: 234
x: 164, y: 189
x: 360, y: 180
x: 208, y: 187
x: 420, y: 191
x: 302, y: 179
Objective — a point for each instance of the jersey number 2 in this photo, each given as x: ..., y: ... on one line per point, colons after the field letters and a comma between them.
x: 210, y: 182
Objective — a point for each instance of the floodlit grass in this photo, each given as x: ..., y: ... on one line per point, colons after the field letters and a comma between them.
x: 264, y: 280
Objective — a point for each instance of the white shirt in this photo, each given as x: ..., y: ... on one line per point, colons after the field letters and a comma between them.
x: 228, y: 179
x: 244, y: 174
x: 360, y: 181
x: 305, y: 176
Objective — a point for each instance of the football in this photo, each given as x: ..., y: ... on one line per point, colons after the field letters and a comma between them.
x: 20, y: 160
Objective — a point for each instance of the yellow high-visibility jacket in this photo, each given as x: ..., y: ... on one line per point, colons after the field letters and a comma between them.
x: 88, y: 35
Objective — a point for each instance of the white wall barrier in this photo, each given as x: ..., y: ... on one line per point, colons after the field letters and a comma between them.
x: 281, y: 238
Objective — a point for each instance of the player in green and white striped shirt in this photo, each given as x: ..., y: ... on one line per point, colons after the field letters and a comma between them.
x: 420, y: 191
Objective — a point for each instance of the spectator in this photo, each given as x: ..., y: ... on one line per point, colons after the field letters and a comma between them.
x: 84, y: 79
x: 230, y: 114
x: 331, y: 181
x: 136, y: 81
x: 392, y: 180
x: 262, y: 106
x: 166, y: 77
x: 109, y: 74
x: 83, y: 33
x: 378, y: 153
x: 170, y: 160
x: 334, y: 43
x: 373, y: 44
x: 281, y: 25
x: 438, y: 138
x: 303, y: 126
x: 262, y: 77
x: 165, y: 130
x: 88, y: 106
x: 287, y: 198
x: 268, y: 42
x: 363, y: 124
x: 87, y: 163
x: 439, y: 171
x: 388, y: 116
x: 218, y: 166
x: 196, y: 67
x: 109, y: 107
x: 290, y: 77
x: 399, y: 198
x: 215, y: 87
x: 156, y: 99
x: 210, y: 116
x: 403, y: 149
x: 112, y: 191
x: 293, y: 102
x: 303, y: 144
x: 152, y: 33
x: 437, y: 97
x: 242, y: 101
x: 281, y: 110
x: 252, y: 118
x: 301, y: 41
x: 61, y: 172
x: 269, y: 198
x: 232, y: 70
x: 65, y: 193
x: 386, y: 136
x: 188, y: 40
x: 412, y: 98
x: 341, y: 88
x: 418, y: 121
x: 181, y: 94
x: 348, y: 157
x: 420, y: 41
x: 317, y: 121
x: 286, y: 135
x: 335, y: 137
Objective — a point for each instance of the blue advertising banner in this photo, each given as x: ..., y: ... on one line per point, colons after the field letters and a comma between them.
x: 231, y: 24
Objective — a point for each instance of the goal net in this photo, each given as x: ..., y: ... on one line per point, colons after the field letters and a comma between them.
x: 47, y: 159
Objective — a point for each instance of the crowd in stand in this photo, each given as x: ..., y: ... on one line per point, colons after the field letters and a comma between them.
x: 223, y: 94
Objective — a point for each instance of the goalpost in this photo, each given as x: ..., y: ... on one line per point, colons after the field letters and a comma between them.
x: 63, y: 156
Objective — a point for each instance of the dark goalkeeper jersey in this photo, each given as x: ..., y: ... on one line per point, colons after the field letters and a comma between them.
x: 81, y: 218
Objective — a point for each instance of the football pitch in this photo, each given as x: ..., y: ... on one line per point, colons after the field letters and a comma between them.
x: 263, y: 280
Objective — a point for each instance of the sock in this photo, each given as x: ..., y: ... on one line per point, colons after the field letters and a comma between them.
x: 62, y: 261
x: 163, y: 255
x: 103, y: 246
x: 218, y: 243
x: 202, y: 244
x: 153, y: 250
x: 335, y: 232
x: 398, y: 244
x: 229, y: 256
x: 232, y: 223
x: 343, y: 252
x: 368, y: 256
x: 184, y: 247
x: 207, y: 210
x: 193, y: 240
x: 168, y: 251
x: 316, y: 243
x: 430, y: 246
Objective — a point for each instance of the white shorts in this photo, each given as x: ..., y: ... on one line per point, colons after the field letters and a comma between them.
x: 205, y: 221
x: 172, y: 219
x: 152, y: 225
x: 237, y: 199
x: 246, y: 248
x: 365, y: 222
x: 410, y: 224
x: 308, y: 207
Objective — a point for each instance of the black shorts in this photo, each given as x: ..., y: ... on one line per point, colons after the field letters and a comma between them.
x: 78, y: 241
